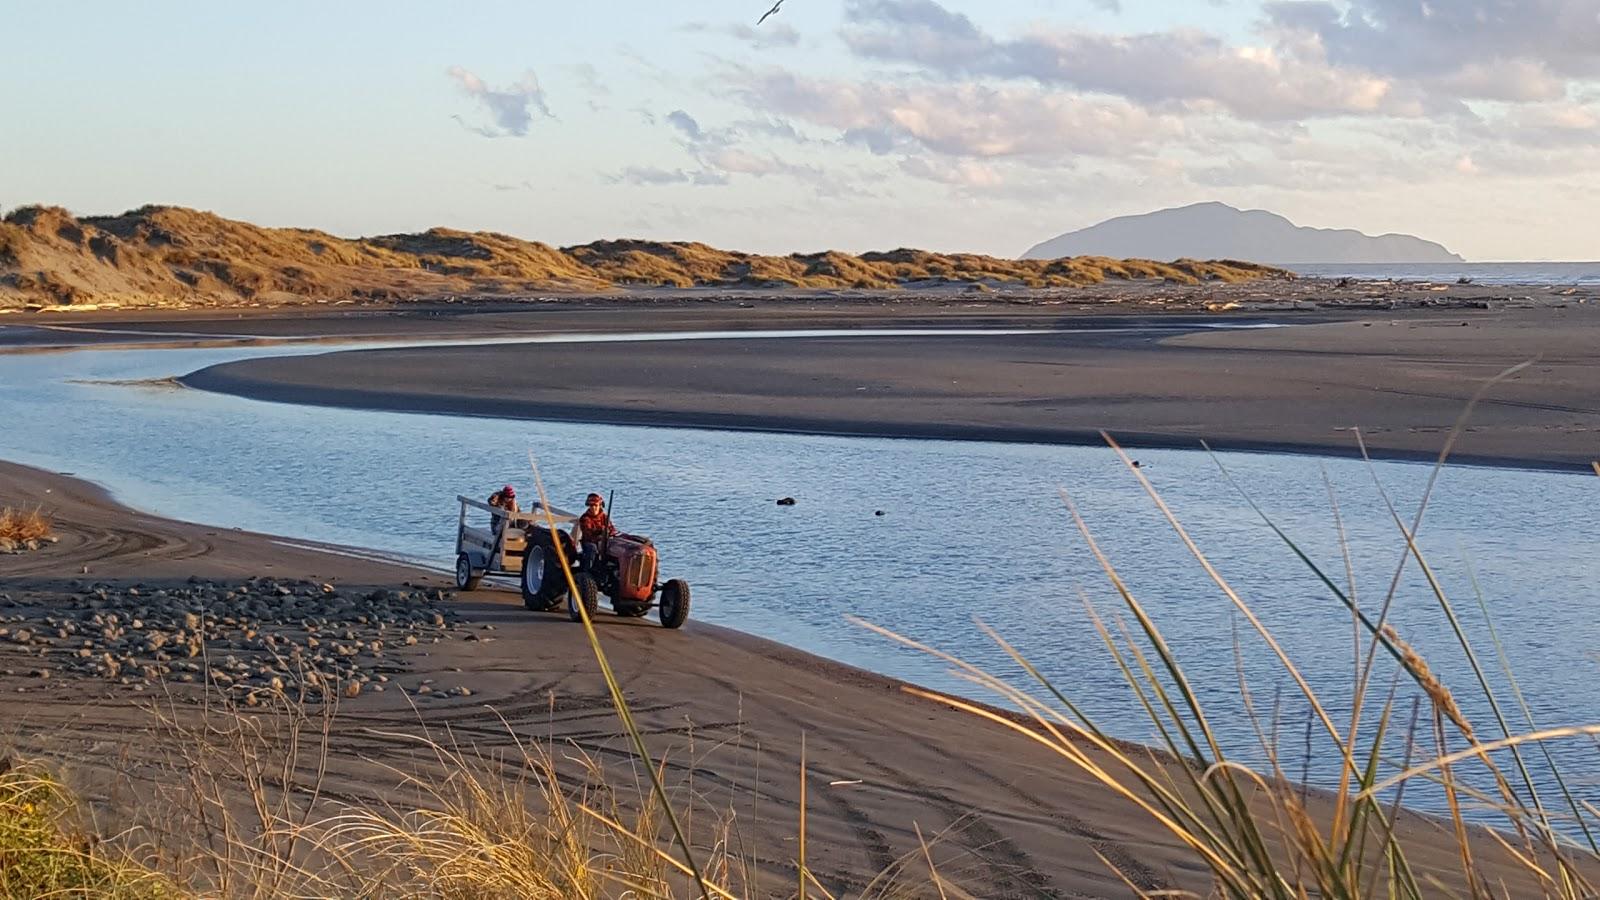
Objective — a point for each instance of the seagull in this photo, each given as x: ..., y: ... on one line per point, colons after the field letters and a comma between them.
x: 769, y: 12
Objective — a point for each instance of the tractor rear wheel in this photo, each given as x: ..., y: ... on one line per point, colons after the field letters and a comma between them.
x: 674, y: 603
x: 542, y: 581
x: 588, y: 593
x: 466, y: 580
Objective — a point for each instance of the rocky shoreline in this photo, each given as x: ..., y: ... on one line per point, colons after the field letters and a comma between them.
x: 249, y: 640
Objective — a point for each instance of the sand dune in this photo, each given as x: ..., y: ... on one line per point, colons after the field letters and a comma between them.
x: 166, y: 256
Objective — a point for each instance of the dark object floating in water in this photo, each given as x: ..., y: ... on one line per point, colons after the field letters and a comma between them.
x: 786, y: 501
x: 1463, y: 280
x: 878, y: 512
x: 1137, y: 464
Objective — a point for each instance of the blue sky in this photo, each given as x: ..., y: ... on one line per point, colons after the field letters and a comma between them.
x: 851, y: 124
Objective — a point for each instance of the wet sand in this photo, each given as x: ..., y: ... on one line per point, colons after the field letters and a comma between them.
x: 1402, y: 378
x: 727, y: 711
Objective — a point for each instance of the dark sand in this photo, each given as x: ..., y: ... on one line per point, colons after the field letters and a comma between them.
x: 1402, y: 378
x: 726, y: 710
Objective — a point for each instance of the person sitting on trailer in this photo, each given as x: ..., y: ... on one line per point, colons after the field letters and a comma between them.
x: 506, y: 499
x: 593, y: 527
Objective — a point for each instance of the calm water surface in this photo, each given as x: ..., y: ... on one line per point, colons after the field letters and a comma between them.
x: 1536, y: 273
x: 970, y: 531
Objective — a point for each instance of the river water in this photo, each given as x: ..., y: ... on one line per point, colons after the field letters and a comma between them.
x: 969, y: 531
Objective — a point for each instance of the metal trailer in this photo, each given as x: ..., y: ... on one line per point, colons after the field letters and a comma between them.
x: 497, y: 550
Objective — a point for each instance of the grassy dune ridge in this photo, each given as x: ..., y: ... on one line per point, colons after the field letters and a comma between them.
x: 164, y: 255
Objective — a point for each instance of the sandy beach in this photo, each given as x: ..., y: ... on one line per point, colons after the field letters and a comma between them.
x: 726, y: 710
x: 1402, y: 378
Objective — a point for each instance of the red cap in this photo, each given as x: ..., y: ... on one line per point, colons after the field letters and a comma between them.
x: 592, y: 498
x: 509, y: 491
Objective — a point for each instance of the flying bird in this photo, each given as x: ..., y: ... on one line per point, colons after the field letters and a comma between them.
x: 768, y: 13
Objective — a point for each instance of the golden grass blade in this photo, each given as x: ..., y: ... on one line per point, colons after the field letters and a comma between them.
x: 1233, y: 596
x: 1168, y: 658
x: 1049, y: 719
x: 625, y: 832
x: 1166, y: 793
x: 1480, y: 748
x: 807, y: 876
x: 933, y: 870
x: 1220, y: 815
x: 1342, y: 793
x: 1456, y: 430
x: 1441, y: 696
x: 1596, y: 465
x: 1219, y: 866
x: 1527, y: 713
x: 624, y: 713
x: 801, y: 894
x: 1463, y: 845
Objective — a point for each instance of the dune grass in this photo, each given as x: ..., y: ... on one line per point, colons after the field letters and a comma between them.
x: 42, y: 853
x: 49, y: 256
x: 24, y: 524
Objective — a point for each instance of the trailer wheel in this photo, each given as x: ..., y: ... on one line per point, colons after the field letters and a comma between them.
x: 674, y: 603
x: 465, y: 579
x: 541, y: 578
x: 588, y: 593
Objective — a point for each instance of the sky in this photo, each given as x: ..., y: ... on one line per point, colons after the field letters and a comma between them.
x: 951, y: 125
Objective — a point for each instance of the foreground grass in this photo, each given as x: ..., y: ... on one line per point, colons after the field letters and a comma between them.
x: 42, y: 854
x: 1252, y: 827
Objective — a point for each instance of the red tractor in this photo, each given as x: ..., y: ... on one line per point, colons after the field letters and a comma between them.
x: 624, y: 569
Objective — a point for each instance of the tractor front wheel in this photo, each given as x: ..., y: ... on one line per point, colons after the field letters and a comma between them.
x: 588, y: 594
x: 674, y: 603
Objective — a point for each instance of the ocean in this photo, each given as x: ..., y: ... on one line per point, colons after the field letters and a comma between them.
x: 1530, y: 273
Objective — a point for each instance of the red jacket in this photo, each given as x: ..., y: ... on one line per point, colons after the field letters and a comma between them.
x: 596, y: 527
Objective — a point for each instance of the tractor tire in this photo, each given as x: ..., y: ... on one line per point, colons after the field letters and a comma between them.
x: 674, y: 603
x: 543, y: 585
x: 465, y: 579
x: 588, y: 593
x: 628, y: 609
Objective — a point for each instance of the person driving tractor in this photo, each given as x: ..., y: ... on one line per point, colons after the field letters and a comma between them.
x: 593, y: 527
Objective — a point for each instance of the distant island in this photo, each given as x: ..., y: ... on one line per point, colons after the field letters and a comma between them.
x: 169, y: 255
x: 1219, y: 231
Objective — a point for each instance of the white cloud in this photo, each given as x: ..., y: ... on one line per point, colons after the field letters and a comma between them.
x: 1443, y: 37
x: 958, y: 120
x: 720, y: 153
x: 1174, y: 67
x: 512, y: 108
